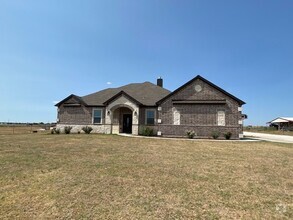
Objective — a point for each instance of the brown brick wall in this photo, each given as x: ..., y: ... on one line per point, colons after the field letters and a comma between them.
x: 202, y: 118
x: 154, y: 127
x: 142, y: 112
x: 80, y: 115
x: 201, y: 131
x: 141, y: 119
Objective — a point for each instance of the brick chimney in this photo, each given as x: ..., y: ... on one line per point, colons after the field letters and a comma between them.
x: 160, y: 82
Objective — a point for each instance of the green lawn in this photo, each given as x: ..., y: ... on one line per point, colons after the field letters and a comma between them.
x: 111, y: 177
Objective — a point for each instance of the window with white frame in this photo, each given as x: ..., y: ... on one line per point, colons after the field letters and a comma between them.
x: 97, y: 116
x: 221, y: 118
x: 150, y: 116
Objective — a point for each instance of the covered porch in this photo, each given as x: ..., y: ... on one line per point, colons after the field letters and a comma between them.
x: 122, y: 121
x: 122, y: 114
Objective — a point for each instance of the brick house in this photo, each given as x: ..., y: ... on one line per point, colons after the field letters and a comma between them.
x: 198, y: 105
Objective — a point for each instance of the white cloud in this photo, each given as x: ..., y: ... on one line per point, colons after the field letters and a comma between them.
x: 55, y: 102
x: 109, y: 83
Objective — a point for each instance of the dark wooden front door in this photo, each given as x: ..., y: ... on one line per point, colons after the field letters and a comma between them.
x: 127, y: 123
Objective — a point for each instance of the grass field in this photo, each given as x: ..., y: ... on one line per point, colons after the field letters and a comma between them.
x: 21, y: 129
x: 112, y: 177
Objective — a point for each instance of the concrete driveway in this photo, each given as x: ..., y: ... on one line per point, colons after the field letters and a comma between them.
x: 269, y: 137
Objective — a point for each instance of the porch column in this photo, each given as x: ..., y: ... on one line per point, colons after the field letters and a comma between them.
x: 108, y: 119
x: 135, y: 117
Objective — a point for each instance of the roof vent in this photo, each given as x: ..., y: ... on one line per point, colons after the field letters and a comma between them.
x: 160, y: 82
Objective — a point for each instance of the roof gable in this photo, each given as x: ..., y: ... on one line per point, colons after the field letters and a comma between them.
x: 122, y: 93
x: 71, y: 99
x: 198, y: 77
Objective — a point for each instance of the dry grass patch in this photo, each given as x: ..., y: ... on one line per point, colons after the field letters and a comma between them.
x: 113, y: 177
x: 270, y: 131
x: 20, y: 129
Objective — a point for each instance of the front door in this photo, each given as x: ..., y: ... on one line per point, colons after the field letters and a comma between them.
x: 127, y: 123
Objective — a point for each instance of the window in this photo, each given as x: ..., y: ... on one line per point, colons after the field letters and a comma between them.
x: 150, y: 117
x: 97, y: 116
x: 221, y: 118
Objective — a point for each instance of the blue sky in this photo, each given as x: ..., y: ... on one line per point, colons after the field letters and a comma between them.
x: 50, y: 49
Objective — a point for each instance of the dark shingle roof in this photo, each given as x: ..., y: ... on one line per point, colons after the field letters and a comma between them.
x: 146, y: 93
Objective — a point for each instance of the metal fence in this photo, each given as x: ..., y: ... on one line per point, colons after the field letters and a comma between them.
x: 23, y: 128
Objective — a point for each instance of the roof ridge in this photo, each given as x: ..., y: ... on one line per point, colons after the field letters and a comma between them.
x: 206, y: 81
x: 98, y: 92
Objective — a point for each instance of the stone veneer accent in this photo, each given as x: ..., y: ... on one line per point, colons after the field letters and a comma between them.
x: 101, y: 129
x: 176, y: 116
x: 120, y: 102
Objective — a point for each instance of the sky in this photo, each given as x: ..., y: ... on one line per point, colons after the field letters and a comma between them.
x: 50, y: 49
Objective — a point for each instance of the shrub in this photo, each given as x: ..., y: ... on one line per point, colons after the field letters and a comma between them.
x: 67, y: 129
x: 190, y: 134
x: 55, y: 131
x: 87, y: 129
x: 147, y: 131
x: 215, y: 134
x: 228, y: 135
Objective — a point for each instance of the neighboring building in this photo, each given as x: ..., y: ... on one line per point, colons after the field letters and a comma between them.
x: 282, y: 123
x: 198, y: 105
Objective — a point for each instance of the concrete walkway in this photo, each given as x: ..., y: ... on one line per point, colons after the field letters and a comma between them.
x: 182, y: 139
x: 269, y: 137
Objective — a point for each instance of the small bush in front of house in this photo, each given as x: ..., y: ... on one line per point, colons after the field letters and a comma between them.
x: 87, y: 129
x: 190, y: 134
x: 215, y: 134
x: 228, y: 135
x: 147, y: 131
x: 67, y: 129
x: 55, y: 131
